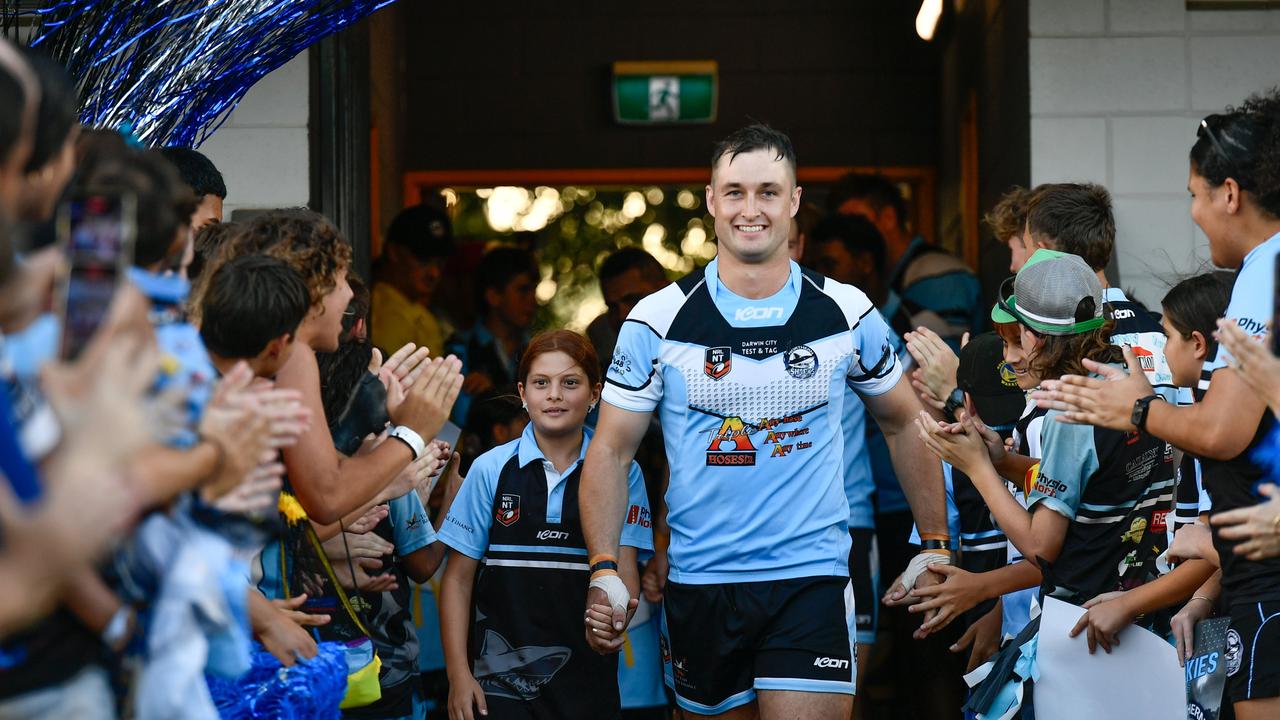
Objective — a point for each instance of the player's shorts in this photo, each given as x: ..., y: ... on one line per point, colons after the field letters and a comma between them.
x: 864, y: 573
x: 1253, y: 651
x: 721, y: 643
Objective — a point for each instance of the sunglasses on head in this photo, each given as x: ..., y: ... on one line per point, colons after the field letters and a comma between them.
x: 1206, y: 129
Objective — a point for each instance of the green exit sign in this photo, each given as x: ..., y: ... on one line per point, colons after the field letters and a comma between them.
x: 652, y: 93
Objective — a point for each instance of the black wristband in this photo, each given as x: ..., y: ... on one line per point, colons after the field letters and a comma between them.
x: 935, y: 545
x: 955, y: 401
x: 604, y: 565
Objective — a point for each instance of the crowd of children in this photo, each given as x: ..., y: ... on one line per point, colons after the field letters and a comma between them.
x: 246, y: 449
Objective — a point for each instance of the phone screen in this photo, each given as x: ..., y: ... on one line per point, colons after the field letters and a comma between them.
x: 96, y: 234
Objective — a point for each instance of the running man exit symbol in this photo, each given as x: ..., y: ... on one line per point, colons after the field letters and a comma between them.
x: 646, y: 93
x: 664, y: 97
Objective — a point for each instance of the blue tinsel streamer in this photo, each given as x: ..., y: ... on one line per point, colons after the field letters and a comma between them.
x: 269, y: 691
x: 175, y: 69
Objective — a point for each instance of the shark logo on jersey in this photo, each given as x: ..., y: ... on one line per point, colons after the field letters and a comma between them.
x: 719, y: 361
x: 508, y: 509
x: 801, y: 362
x: 517, y: 673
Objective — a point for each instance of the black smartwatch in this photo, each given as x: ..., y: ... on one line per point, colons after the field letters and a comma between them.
x: 955, y: 401
x: 1140, y: 408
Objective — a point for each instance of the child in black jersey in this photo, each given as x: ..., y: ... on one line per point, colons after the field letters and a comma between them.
x: 1191, y: 309
x: 1097, y: 497
x: 511, y: 612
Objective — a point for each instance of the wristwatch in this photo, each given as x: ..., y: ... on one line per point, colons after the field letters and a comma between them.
x: 955, y: 401
x: 1140, y: 408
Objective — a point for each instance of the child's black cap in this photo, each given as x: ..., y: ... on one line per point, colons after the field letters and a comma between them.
x: 990, y: 381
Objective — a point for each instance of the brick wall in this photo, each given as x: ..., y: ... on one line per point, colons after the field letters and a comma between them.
x: 499, y: 85
x: 1117, y: 90
x: 262, y: 149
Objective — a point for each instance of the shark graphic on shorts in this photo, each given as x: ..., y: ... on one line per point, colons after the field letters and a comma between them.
x: 517, y: 673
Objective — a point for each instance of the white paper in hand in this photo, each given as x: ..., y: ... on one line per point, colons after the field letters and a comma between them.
x: 1140, y: 678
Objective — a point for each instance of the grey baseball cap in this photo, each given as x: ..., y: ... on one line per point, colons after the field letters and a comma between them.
x: 1054, y: 294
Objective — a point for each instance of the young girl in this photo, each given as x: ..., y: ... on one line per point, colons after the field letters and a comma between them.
x: 515, y: 646
x: 1097, y: 497
x: 1191, y: 309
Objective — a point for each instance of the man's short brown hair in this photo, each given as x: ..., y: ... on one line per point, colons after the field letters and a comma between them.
x: 1074, y: 218
x: 1009, y: 217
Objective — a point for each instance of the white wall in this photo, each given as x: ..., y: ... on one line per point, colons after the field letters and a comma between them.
x: 262, y: 149
x: 1118, y: 88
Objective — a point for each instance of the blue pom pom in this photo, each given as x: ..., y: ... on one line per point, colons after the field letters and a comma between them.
x: 269, y: 691
x: 174, y: 70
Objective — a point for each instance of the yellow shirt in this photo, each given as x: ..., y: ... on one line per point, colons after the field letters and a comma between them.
x: 398, y: 320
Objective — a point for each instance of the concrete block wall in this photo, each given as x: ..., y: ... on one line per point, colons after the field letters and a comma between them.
x: 262, y: 149
x: 1118, y: 88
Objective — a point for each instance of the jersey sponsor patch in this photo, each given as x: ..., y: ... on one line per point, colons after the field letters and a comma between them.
x: 731, y: 444
x: 1146, y: 358
x: 508, y: 509
x: 1159, y: 521
x: 719, y: 361
x: 801, y: 362
x: 639, y: 515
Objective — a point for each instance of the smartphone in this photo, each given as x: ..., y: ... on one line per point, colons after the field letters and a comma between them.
x: 96, y: 233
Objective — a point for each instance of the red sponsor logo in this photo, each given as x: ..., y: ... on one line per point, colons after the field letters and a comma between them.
x: 637, y: 515
x: 1159, y: 521
x: 1146, y: 359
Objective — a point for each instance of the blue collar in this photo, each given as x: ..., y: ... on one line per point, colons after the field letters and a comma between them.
x: 529, y: 450
x: 170, y: 289
x: 1113, y: 294
x: 712, y: 275
x: 1258, y: 250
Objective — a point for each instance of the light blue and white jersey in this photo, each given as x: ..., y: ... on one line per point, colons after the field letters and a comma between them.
x: 751, y: 395
x: 1252, y: 301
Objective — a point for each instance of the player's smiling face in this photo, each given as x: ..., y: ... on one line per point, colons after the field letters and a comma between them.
x: 753, y: 197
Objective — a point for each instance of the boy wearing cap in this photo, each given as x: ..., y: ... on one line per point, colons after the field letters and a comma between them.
x: 419, y: 241
x: 1098, y: 498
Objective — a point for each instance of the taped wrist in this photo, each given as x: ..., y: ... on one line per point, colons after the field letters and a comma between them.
x: 612, y: 585
x: 920, y: 563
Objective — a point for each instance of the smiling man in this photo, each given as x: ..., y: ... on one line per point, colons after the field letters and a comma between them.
x: 747, y: 362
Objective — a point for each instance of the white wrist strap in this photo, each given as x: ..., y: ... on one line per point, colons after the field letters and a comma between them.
x: 920, y: 563
x: 613, y: 586
x: 411, y: 437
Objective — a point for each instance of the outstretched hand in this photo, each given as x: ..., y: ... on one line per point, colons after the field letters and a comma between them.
x: 1103, y: 402
x: 937, y: 363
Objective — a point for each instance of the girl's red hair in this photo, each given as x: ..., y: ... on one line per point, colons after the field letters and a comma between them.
x: 568, y: 342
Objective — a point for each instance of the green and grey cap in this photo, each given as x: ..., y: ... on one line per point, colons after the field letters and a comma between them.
x: 1051, y: 294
